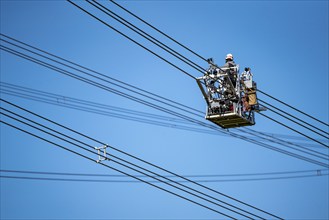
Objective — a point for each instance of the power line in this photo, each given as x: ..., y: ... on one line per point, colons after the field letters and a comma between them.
x: 134, y: 15
x: 153, y: 165
x: 142, y: 116
x: 128, y: 166
x: 310, y: 116
x: 116, y: 30
x: 97, y: 84
x: 109, y: 89
x: 106, y: 110
x: 196, y: 177
x: 103, y: 75
x: 129, y: 38
x: 146, y: 35
x: 327, y: 133
x: 153, y: 105
x: 282, y: 142
x: 125, y: 173
x: 134, y: 40
x: 161, y: 32
x: 293, y: 129
x: 253, y: 141
x: 66, y: 101
x: 186, y: 128
x: 311, y: 152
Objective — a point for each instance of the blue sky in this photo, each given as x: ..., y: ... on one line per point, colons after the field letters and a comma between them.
x: 284, y: 42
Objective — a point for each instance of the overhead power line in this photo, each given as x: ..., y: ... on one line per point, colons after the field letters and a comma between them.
x: 120, y: 171
x: 134, y: 41
x: 117, y: 112
x: 124, y: 84
x: 65, y: 102
x: 104, y: 87
x: 8, y: 49
x: 134, y: 157
x: 92, y: 15
x: 122, y: 164
x: 153, y: 181
x: 276, y: 121
x: 286, y: 113
x: 300, y: 148
x: 310, y: 116
x: 196, y: 177
x: 146, y: 35
x: 114, y: 158
x: 193, y: 52
x: 161, y: 32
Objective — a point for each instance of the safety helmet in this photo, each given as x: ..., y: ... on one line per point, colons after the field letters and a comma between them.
x: 229, y: 56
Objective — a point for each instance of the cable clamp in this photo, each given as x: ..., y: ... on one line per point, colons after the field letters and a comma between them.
x: 101, y: 151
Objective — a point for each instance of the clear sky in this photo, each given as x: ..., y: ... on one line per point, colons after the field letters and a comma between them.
x: 284, y: 42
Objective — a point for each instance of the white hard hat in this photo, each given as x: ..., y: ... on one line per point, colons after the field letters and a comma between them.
x: 229, y: 56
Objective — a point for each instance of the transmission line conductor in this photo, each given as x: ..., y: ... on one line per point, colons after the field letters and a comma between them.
x: 101, y: 151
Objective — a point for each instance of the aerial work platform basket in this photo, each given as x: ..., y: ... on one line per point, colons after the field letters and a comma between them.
x: 231, y: 98
x: 230, y: 120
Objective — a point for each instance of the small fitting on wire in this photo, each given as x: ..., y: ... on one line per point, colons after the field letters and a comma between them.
x: 101, y: 151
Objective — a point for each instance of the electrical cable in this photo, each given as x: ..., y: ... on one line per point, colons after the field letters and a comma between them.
x: 64, y: 101
x: 93, y: 71
x: 144, y: 121
x: 129, y: 38
x: 315, y: 153
x: 282, y: 115
x: 130, y: 155
x: 268, y: 176
x: 93, y: 84
x: 112, y: 156
x: 117, y: 92
x: 133, y: 40
x: 310, y: 116
x: 100, y: 74
x: 327, y: 133
x: 115, y: 115
x: 106, y: 110
x: 156, y: 107
x: 193, y: 52
x: 97, y: 77
x: 141, y: 101
x: 161, y: 32
x: 151, y: 181
x: 125, y: 173
x: 48, y: 58
x: 292, y: 129
x: 285, y: 142
x: 146, y: 35
x: 96, y: 140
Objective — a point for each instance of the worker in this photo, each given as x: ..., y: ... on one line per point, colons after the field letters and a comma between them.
x: 249, y: 87
x: 232, y: 73
x: 246, y: 78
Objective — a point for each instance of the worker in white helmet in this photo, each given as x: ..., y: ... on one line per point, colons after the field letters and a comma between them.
x: 229, y: 63
x: 229, y: 57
